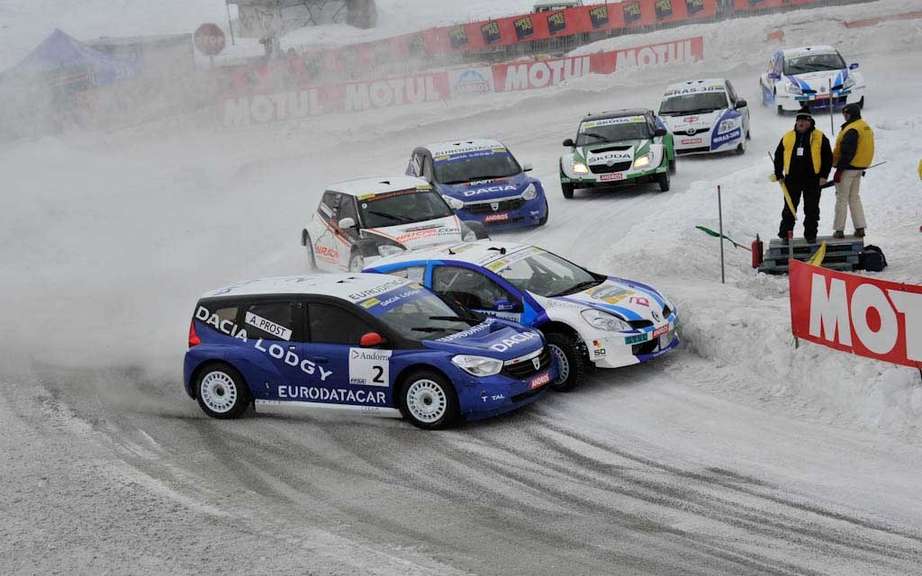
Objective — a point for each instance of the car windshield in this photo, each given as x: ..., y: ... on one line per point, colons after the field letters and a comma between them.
x: 478, y: 165
x: 403, y: 207
x: 813, y: 63
x: 613, y: 130
x: 696, y: 103
x: 543, y: 273
x: 417, y: 314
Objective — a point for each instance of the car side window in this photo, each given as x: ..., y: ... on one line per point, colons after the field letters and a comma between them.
x: 347, y: 209
x: 329, y: 204
x: 414, y: 273
x: 414, y: 168
x: 275, y: 320
x: 731, y: 93
x: 470, y: 288
x: 427, y: 168
x: 330, y: 324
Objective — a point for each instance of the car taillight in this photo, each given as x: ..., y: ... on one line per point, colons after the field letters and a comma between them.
x: 194, y: 340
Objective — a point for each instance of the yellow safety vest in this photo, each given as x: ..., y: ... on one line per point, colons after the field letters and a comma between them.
x: 816, y: 147
x: 864, y: 155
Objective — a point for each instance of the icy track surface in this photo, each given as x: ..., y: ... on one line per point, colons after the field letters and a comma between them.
x: 736, y: 455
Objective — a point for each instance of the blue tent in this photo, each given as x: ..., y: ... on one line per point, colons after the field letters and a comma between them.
x: 64, y: 60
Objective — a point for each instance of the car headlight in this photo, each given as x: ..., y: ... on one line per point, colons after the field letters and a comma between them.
x: 727, y: 126
x: 604, y: 321
x: 794, y: 88
x: 479, y: 366
x: 386, y: 250
x: 580, y: 168
x: 848, y: 84
x: 454, y: 203
x: 531, y: 192
x: 643, y: 161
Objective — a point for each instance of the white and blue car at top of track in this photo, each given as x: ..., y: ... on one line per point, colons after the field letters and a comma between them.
x: 705, y: 116
x: 483, y: 182
x: 360, y: 220
x: 587, y: 317
x: 812, y: 77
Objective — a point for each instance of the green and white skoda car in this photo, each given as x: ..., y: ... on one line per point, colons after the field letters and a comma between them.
x: 620, y: 147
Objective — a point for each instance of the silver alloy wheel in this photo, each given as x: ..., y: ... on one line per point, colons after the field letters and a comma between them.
x: 426, y: 401
x: 356, y: 263
x: 218, y: 391
x: 563, y: 365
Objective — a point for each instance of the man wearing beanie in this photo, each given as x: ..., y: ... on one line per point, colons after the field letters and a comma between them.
x: 803, y: 160
x: 853, y: 154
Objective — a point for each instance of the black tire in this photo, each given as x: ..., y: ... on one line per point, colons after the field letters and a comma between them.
x: 428, y: 400
x: 547, y: 213
x: 748, y: 135
x: 356, y: 261
x: 672, y: 166
x: 571, y: 362
x: 309, y: 247
x: 567, y: 190
x: 861, y: 103
x: 663, y: 181
x: 222, y: 392
x: 740, y: 149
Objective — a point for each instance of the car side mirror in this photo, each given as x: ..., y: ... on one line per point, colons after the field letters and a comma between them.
x: 370, y: 340
x: 660, y: 132
x: 506, y: 306
x: 569, y: 143
x: 853, y: 66
x: 740, y: 104
x: 527, y: 167
x: 347, y: 223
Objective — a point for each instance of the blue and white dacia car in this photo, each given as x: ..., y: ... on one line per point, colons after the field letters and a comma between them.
x: 482, y: 181
x: 367, y: 342
x: 812, y: 77
x: 586, y: 317
x: 705, y: 116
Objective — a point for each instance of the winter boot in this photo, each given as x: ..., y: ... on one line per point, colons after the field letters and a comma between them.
x: 838, y: 234
x: 859, y: 232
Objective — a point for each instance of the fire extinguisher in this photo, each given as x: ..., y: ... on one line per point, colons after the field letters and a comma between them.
x: 756, y: 252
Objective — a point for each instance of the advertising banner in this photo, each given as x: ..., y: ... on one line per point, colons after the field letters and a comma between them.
x: 857, y: 314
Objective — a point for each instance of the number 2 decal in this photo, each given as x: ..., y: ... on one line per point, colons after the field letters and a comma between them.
x: 369, y: 367
x: 379, y: 373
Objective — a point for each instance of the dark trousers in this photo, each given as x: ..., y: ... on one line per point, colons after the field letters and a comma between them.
x: 811, y: 193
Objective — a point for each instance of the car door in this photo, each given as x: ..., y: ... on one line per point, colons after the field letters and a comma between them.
x: 347, y: 373
x: 274, y: 341
x: 473, y: 290
x: 326, y: 247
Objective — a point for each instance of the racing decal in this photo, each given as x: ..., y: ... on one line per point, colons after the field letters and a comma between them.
x: 473, y: 331
x: 369, y: 367
x: 609, y: 157
x: 466, y: 153
x: 637, y: 339
x: 385, y: 287
x: 226, y: 327
x: 612, y: 122
x: 514, y: 341
x: 268, y: 326
x: 492, y: 397
x: 342, y: 395
x: 407, y: 236
x: 639, y: 300
x: 694, y: 90
x: 491, y: 190
x: 326, y: 253
x: 291, y: 358
x: 513, y: 316
x: 540, y: 380
x: 383, y: 302
x: 496, y: 218
x: 610, y: 294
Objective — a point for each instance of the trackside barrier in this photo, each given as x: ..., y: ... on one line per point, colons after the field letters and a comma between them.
x: 857, y: 314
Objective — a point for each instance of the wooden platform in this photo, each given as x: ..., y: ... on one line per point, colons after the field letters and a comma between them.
x: 841, y: 254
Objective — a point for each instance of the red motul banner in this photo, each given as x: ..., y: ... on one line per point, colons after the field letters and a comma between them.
x: 865, y: 316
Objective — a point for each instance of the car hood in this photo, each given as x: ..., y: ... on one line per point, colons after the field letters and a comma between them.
x: 494, y: 338
x: 819, y: 81
x: 630, y: 300
x: 611, y: 152
x: 697, y: 122
x: 478, y: 190
x: 421, y: 234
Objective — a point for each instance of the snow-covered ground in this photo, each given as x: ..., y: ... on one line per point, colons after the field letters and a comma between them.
x: 739, y: 454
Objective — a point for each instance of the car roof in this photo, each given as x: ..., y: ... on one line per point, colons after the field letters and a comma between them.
x: 352, y: 287
x: 804, y: 50
x: 461, y: 146
x: 695, y: 85
x: 618, y: 113
x: 481, y: 253
x: 375, y: 186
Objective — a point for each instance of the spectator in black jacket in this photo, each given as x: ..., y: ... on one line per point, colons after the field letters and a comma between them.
x: 803, y: 160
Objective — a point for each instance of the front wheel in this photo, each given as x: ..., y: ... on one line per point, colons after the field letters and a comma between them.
x: 663, y: 181
x: 861, y: 103
x: 547, y: 213
x: 221, y: 392
x: 428, y: 401
x: 356, y: 262
x: 309, y: 247
x: 571, y: 364
x: 567, y: 190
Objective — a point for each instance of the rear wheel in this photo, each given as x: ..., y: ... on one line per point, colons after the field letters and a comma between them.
x: 741, y: 148
x: 861, y: 103
x: 309, y: 248
x: 663, y: 181
x: 221, y: 392
x: 571, y: 364
x: 672, y: 166
x: 428, y: 401
x: 547, y: 212
x: 567, y: 190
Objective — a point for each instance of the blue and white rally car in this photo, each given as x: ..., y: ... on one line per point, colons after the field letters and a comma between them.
x: 588, y: 318
x: 482, y: 181
x: 705, y: 116
x: 813, y: 77
x: 373, y: 343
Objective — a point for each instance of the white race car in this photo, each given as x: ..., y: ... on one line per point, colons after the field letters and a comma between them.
x: 361, y: 220
x: 814, y: 77
x: 705, y: 116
